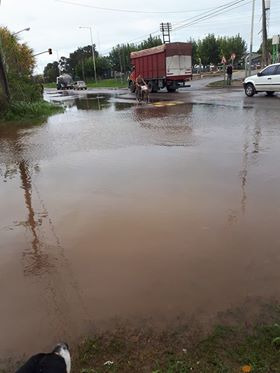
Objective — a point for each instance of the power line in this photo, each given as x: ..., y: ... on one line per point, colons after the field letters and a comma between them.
x: 129, y: 10
x: 208, y: 12
x: 196, y: 19
x: 215, y: 12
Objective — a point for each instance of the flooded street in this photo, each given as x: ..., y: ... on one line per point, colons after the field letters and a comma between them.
x: 114, y: 210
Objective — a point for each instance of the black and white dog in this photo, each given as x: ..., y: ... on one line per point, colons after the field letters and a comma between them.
x: 57, y: 361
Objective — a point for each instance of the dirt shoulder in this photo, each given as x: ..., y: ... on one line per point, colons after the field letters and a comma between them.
x: 242, y: 341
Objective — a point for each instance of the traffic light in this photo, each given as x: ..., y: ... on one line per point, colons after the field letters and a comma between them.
x: 50, y: 50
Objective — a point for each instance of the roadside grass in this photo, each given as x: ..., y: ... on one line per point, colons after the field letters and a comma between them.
x: 49, y: 85
x: 223, y: 84
x: 108, y: 83
x: 105, y: 83
x: 21, y: 111
x: 226, y: 350
x: 248, y: 341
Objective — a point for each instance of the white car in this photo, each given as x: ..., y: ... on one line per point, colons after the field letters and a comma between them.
x: 267, y: 80
x: 80, y: 84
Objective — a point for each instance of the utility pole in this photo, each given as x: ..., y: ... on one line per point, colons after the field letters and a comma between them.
x: 3, y: 77
x: 92, y: 51
x: 165, y: 28
x: 264, y: 36
x: 4, y: 80
x: 252, y: 36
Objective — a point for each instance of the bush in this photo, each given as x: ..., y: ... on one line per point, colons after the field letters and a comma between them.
x: 24, y: 89
x: 21, y: 110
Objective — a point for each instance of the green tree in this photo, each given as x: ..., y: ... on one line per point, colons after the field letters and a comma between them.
x: 120, y: 57
x: 103, y: 66
x: 85, y: 69
x: 78, y: 58
x: 51, y: 71
x: 19, y: 64
x: 152, y: 41
x: 195, y: 55
x: 209, y: 50
x: 232, y: 44
x: 65, y: 66
x: 269, y: 46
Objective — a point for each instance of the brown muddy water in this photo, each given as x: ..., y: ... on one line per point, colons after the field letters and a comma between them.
x: 116, y: 211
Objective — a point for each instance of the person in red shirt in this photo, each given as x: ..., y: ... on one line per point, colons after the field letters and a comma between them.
x: 132, y: 75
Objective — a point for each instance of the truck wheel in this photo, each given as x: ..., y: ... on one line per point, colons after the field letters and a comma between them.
x: 155, y: 89
x: 171, y: 89
x: 249, y: 90
x: 152, y: 86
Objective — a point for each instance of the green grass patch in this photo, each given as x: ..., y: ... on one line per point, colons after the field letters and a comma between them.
x: 223, y: 84
x: 104, y: 83
x: 241, y: 346
x: 225, y: 350
x: 50, y: 85
x: 108, y: 83
x: 24, y: 111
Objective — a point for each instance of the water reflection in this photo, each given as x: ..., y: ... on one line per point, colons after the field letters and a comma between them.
x: 95, y: 102
x: 92, y: 103
x: 43, y: 256
x: 250, y: 151
x: 165, y: 111
x: 168, y: 125
x: 36, y: 259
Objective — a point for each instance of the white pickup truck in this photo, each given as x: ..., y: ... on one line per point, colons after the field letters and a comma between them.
x: 80, y: 84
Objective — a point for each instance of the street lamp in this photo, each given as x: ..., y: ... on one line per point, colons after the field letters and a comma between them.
x: 92, y: 50
x: 25, y: 29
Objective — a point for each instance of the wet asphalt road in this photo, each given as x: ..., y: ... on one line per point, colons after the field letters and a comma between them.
x: 116, y: 209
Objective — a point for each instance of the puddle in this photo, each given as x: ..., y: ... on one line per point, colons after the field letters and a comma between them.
x: 118, y: 210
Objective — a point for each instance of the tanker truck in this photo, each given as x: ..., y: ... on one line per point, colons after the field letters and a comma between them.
x: 64, y: 81
x: 165, y: 66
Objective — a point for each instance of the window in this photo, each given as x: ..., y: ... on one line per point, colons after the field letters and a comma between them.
x: 268, y: 71
x: 277, y: 71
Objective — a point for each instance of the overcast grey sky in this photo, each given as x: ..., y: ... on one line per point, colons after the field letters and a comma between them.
x: 55, y: 24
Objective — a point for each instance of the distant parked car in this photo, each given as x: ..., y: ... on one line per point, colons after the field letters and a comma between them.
x: 80, y: 84
x: 267, y: 80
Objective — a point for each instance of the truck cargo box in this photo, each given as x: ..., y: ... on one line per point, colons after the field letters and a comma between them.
x: 167, y: 65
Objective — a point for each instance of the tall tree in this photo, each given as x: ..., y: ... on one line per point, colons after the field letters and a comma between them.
x: 152, y: 41
x: 79, y: 56
x: 51, y: 72
x: 232, y: 44
x: 19, y: 64
x: 209, y: 50
x: 120, y: 57
x: 195, y: 55
x: 65, y: 66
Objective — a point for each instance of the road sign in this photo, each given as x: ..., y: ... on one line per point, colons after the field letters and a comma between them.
x: 233, y: 55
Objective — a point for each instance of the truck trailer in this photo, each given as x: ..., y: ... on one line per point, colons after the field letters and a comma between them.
x: 167, y: 65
